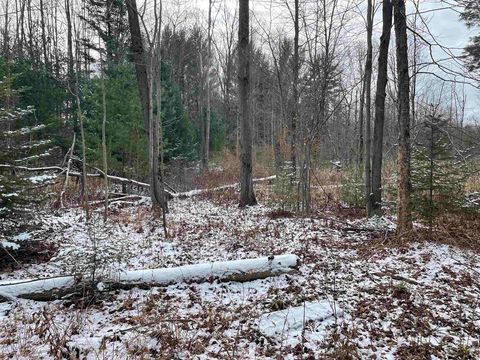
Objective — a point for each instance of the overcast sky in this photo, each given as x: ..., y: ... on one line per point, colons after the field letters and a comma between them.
x: 450, y: 31
x: 444, y: 24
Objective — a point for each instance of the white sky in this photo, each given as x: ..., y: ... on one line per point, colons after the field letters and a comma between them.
x: 443, y: 23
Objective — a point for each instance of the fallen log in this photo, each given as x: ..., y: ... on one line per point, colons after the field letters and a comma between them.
x: 120, y: 180
x: 192, y: 193
x: 25, y: 168
x: 38, y: 289
x: 100, y: 174
x: 170, y: 193
x: 117, y: 199
x: 236, y: 270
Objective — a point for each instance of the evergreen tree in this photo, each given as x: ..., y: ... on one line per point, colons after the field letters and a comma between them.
x: 438, y: 173
x: 125, y: 131
x: 126, y: 138
x: 37, y: 89
x: 179, y: 135
x: 471, y: 16
x: 20, y: 146
x: 109, y: 19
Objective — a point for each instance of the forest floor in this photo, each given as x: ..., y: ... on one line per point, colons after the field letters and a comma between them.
x: 416, y: 301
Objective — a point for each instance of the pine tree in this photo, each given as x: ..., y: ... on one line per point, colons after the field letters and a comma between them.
x: 471, y: 16
x: 438, y: 173
x: 19, y: 148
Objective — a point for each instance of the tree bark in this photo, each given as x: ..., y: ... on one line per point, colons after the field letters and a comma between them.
x: 296, y: 65
x: 368, y: 104
x: 44, y: 36
x: 380, y: 96
x: 206, y: 154
x: 139, y: 57
x: 247, y: 195
x: 404, y: 221
x: 157, y: 170
x: 69, y: 42
x: 361, y: 124
x: 104, y: 143
x: 84, y: 159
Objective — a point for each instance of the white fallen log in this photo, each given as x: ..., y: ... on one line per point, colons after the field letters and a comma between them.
x: 25, y: 168
x: 37, y: 289
x: 288, y: 324
x: 117, y: 199
x: 170, y: 193
x: 192, y: 193
x: 235, y: 270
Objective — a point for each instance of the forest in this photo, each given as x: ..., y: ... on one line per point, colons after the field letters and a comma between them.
x: 239, y: 179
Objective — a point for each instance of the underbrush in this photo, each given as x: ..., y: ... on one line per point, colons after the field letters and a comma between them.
x: 461, y: 229
x: 33, y: 252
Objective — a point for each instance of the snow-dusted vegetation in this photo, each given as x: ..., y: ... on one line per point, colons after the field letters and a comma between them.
x: 352, y: 294
x: 239, y: 179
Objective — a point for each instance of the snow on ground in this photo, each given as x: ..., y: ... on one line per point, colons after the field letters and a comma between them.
x: 416, y: 301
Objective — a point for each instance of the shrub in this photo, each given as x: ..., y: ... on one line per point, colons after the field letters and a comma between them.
x: 352, y: 188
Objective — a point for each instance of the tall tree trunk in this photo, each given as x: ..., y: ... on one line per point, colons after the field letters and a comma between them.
x: 55, y: 41
x: 404, y: 221
x: 416, y: 49
x: 247, y: 195
x: 84, y: 157
x: 30, y: 25
x: 156, y: 185
x: 200, y: 100
x: 69, y: 42
x: 44, y: 36
x: 146, y: 84
x: 139, y: 57
x: 158, y: 128
x: 6, y: 41
x: 296, y: 65
x: 361, y: 124
x: 206, y: 149
x: 380, y: 96
x: 368, y: 105
x: 104, y: 142
x: 22, y: 28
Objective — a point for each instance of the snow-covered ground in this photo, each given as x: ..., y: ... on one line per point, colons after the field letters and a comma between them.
x: 362, y: 298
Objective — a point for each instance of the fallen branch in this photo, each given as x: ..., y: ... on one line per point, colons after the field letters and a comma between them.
x: 100, y: 174
x: 192, y: 193
x: 25, y: 168
x: 396, y: 277
x: 235, y: 270
x: 116, y: 199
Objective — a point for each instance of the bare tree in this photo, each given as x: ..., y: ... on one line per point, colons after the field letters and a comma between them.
x: 206, y: 147
x: 375, y: 206
x: 139, y: 58
x: 147, y: 68
x: 296, y: 66
x: 368, y: 100
x: 404, y: 222
x: 104, y: 141
x: 225, y: 46
x: 247, y: 195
